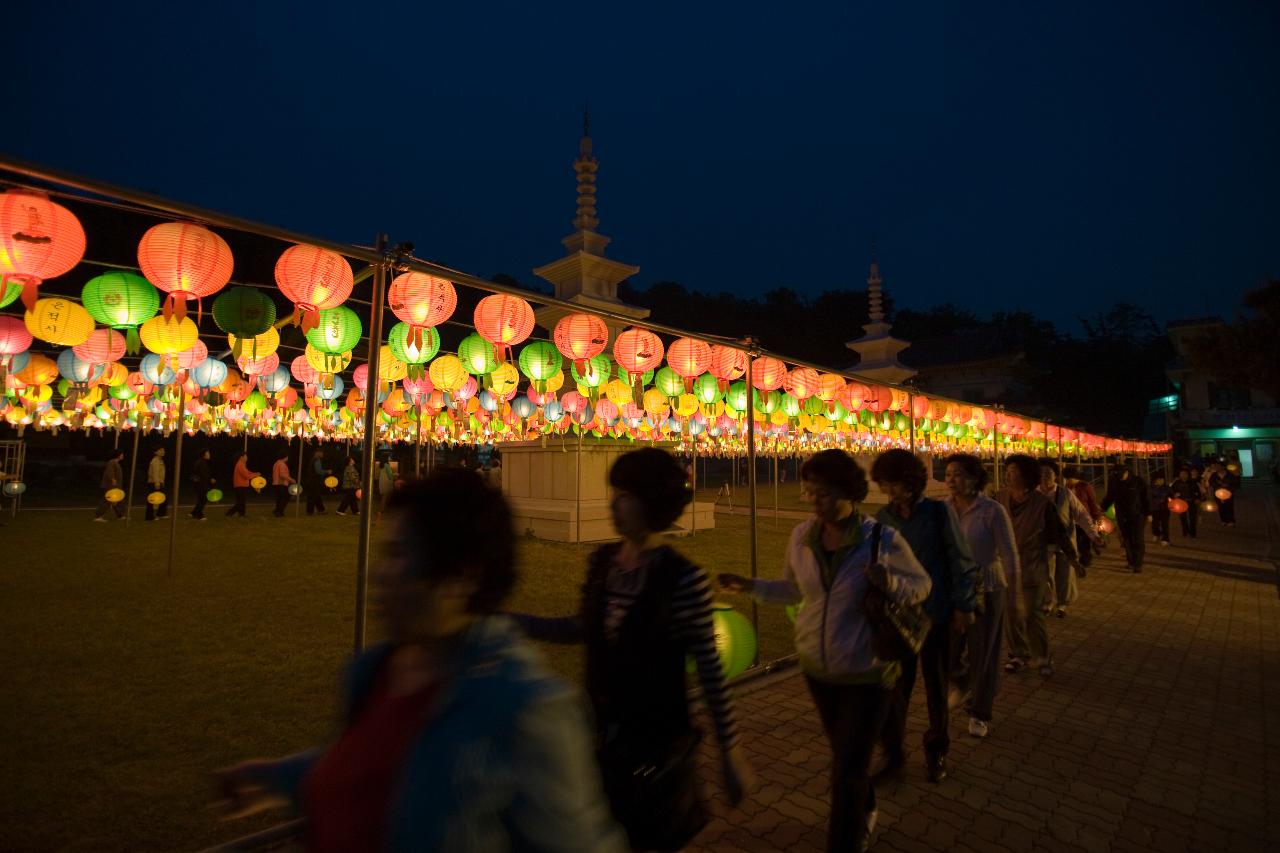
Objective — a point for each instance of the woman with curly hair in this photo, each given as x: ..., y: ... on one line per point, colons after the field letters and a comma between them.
x: 832, y: 561
x: 645, y: 609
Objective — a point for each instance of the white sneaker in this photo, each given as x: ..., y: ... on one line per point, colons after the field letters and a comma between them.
x: 99, y: 518
x: 872, y: 817
x: 977, y: 728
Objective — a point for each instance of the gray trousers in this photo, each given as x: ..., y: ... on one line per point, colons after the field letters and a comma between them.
x: 1064, y: 580
x: 985, y: 639
x: 1029, y: 635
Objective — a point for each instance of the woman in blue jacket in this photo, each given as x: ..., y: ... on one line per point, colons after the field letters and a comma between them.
x: 453, y: 737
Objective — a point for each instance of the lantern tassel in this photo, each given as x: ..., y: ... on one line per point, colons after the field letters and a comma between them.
x: 30, y: 291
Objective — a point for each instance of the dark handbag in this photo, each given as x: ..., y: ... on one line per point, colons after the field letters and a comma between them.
x: 653, y: 790
x: 898, y: 630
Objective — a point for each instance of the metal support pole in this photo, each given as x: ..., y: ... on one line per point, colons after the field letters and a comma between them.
x: 693, y: 530
x: 133, y: 470
x: 378, y: 301
x: 775, y: 491
x: 751, y: 486
x: 417, y: 442
x: 177, y: 476
x: 911, y: 418
x: 995, y: 450
x: 577, y: 488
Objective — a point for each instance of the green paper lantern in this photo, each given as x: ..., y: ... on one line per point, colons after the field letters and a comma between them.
x: 413, y: 346
x: 338, y: 331
x: 814, y: 406
x: 790, y: 406
x: 540, y: 360
x: 736, y: 398
x: 120, y: 300
x: 213, y: 495
x: 707, y: 389
x: 668, y: 382
x: 254, y: 403
x: 630, y: 378
x: 477, y: 355
x: 768, y: 402
x: 245, y: 312
x: 1111, y: 512
x: 597, y: 370
x: 735, y: 641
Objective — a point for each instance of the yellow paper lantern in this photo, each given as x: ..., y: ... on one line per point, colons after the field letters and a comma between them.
x: 447, y: 373
x: 686, y: 405
x: 155, y: 498
x: 325, y: 362
x: 618, y: 392
x: 256, y: 348
x: 59, y: 321
x: 168, y: 335
x: 258, y: 483
x: 504, y: 380
x: 555, y: 382
x: 331, y: 482
x: 390, y: 368
x: 114, y: 496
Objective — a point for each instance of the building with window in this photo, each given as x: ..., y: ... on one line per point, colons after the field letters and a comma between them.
x: 1207, y: 418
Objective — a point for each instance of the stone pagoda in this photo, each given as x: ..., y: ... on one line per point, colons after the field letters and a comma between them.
x: 585, y: 276
x: 878, y: 350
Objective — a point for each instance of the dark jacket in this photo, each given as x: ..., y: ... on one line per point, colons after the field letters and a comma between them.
x: 1129, y: 496
x: 1160, y: 500
x: 933, y: 532
x: 201, y: 474
x: 1189, y: 491
x: 112, y: 475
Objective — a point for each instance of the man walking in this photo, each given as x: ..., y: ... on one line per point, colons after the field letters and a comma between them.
x: 1073, y: 517
x: 155, y: 478
x: 280, y: 481
x: 1128, y: 494
x: 112, y: 477
x: 202, y: 475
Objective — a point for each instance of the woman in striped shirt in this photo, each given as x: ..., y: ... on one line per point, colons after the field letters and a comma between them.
x: 645, y: 608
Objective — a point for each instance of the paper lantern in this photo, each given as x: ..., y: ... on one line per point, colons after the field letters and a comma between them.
x: 39, y: 240
x: 337, y: 330
x: 331, y: 482
x: 727, y: 365
x: 447, y: 373
x: 258, y: 483
x: 802, y: 383
x: 295, y: 489
x: 638, y: 350
x: 767, y: 373
x: 1209, y: 506
x: 59, y: 321
x: 579, y: 337
x: 413, y: 346
x: 76, y: 369
x: 1222, y: 494
x: 422, y: 301
x: 114, y: 496
x: 209, y: 373
x: 504, y: 321
x: 166, y: 335
x: 102, y: 346
x: 735, y: 641
x: 213, y: 495
x: 123, y: 301
x: 689, y: 358
x: 326, y: 363
x: 477, y: 355
x: 314, y: 279
x: 156, y: 498
x: 1233, y: 467
x: 186, y: 261
x: 244, y: 312
x: 1177, y: 506
x: 541, y: 360
x: 13, y: 488
x: 15, y: 338
x: 592, y: 373
x: 10, y: 290
x: 256, y: 348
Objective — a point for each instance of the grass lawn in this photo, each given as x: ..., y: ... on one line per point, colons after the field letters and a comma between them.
x: 124, y: 687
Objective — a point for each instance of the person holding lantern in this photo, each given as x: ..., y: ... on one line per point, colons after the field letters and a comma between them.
x: 350, y: 485
x: 1128, y: 493
x: 112, y: 477
x: 1084, y: 492
x: 645, y: 610
x: 1075, y: 518
x: 832, y: 560
x: 241, y: 480
x: 314, y: 483
x: 453, y: 733
x: 202, y: 476
x: 1187, y: 488
x: 155, y: 479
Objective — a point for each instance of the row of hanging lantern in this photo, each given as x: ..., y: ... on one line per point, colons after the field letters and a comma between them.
x: 498, y: 385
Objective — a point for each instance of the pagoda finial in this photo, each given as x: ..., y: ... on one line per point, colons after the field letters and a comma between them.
x: 586, y: 166
x: 874, y: 297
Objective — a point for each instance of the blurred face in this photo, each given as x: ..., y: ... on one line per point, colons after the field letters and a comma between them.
x: 828, y: 503
x: 410, y: 606
x: 1048, y: 479
x: 1013, y: 476
x: 1184, y: 475
x: 959, y: 482
x: 628, y: 515
x: 895, y: 492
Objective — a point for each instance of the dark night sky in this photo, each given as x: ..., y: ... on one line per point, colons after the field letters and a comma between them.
x: 1013, y: 157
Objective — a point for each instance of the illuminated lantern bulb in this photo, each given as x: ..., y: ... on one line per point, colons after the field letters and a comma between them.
x: 1222, y: 494
x: 313, y: 279
x: 39, y: 240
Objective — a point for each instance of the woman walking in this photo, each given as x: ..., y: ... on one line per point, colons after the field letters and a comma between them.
x: 645, y: 609
x: 1037, y: 530
x: 350, y: 484
x: 832, y: 561
x: 453, y: 735
x: 989, y: 534
x: 202, y: 475
x: 241, y: 479
x: 931, y: 529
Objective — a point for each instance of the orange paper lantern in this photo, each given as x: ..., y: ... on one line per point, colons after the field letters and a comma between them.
x: 580, y: 337
x: 503, y: 321
x: 38, y: 240
x: 313, y: 279
x: 185, y: 260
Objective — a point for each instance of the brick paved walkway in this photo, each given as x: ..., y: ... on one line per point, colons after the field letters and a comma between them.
x: 1160, y: 729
